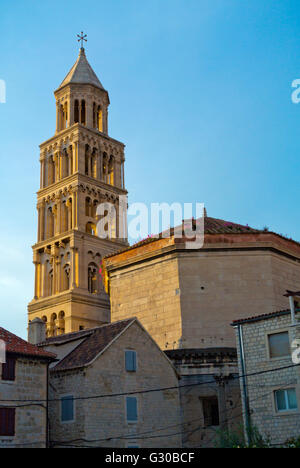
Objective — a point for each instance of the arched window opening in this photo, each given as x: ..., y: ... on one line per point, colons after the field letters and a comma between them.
x: 99, y: 118
x: 94, y: 209
x: 111, y: 171
x: 88, y: 207
x: 66, y: 278
x: 50, y: 283
x: 87, y: 160
x: 91, y: 229
x: 94, y: 116
x: 53, y: 325
x: 65, y: 164
x: 65, y: 114
x: 76, y: 111
x: 104, y: 168
x: 61, y: 323
x: 51, y: 171
x: 82, y: 112
x: 50, y: 222
x: 69, y: 214
x: 93, y: 278
x: 64, y: 217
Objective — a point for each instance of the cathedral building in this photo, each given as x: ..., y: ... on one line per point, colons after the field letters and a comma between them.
x: 187, y: 298
x: 81, y: 167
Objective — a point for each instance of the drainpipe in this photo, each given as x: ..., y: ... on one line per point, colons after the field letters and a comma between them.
x: 244, y: 384
x: 47, y: 407
x: 292, y: 307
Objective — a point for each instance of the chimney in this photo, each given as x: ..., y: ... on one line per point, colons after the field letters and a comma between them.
x: 36, y: 331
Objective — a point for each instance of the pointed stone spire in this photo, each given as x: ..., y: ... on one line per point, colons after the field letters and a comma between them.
x: 82, y: 73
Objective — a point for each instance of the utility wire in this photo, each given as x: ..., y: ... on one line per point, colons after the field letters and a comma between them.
x: 155, y: 389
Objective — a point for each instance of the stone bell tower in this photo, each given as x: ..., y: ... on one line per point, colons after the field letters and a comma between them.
x: 81, y: 167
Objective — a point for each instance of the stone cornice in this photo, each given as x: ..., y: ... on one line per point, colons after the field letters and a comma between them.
x: 67, y: 297
x: 162, y: 247
x: 75, y: 132
x: 78, y: 180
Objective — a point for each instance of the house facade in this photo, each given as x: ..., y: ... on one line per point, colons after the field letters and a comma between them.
x: 271, y: 386
x: 23, y: 394
x: 112, y: 387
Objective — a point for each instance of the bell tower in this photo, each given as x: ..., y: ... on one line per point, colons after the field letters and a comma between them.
x: 81, y: 167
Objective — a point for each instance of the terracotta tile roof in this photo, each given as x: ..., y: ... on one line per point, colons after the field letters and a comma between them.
x: 96, y: 340
x: 211, y: 226
x: 257, y: 318
x: 65, y: 338
x: 16, y: 345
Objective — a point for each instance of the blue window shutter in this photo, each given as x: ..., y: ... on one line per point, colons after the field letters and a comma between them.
x: 134, y: 360
x: 130, y: 361
x: 67, y: 408
x: 131, y: 408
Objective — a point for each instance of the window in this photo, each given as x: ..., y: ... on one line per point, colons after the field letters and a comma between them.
x: 7, y: 421
x: 93, y: 278
x: 211, y: 411
x: 279, y: 345
x: 67, y: 408
x: 9, y: 369
x: 131, y: 409
x: 286, y: 400
x: 130, y: 361
x: 133, y: 446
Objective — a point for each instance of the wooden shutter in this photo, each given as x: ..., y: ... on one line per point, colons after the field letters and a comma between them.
x: 7, y: 421
x: 130, y: 361
x: 67, y: 408
x: 9, y: 369
x: 131, y: 407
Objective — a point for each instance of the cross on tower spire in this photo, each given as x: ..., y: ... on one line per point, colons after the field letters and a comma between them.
x: 82, y: 37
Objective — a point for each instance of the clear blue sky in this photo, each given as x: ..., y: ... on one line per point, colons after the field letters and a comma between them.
x: 200, y: 94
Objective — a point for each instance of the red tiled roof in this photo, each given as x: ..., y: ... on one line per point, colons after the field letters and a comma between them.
x: 257, y: 318
x: 96, y: 340
x: 16, y: 345
x: 211, y: 226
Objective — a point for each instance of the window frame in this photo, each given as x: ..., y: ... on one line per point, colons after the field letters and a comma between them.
x: 276, y: 332
x: 67, y: 395
x: 130, y: 422
x: 136, y: 363
x: 286, y: 412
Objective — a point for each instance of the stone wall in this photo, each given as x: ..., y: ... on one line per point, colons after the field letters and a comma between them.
x: 278, y: 427
x: 103, y: 420
x: 188, y: 299
x: 30, y: 423
x: 150, y: 292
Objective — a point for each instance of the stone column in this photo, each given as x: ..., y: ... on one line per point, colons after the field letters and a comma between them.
x: 58, y: 214
x: 81, y: 158
x: 71, y: 111
x: 42, y: 228
x: 36, y: 280
x: 57, y: 117
x: 89, y: 113
x: 73, y: 268
x: 58, y: 275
